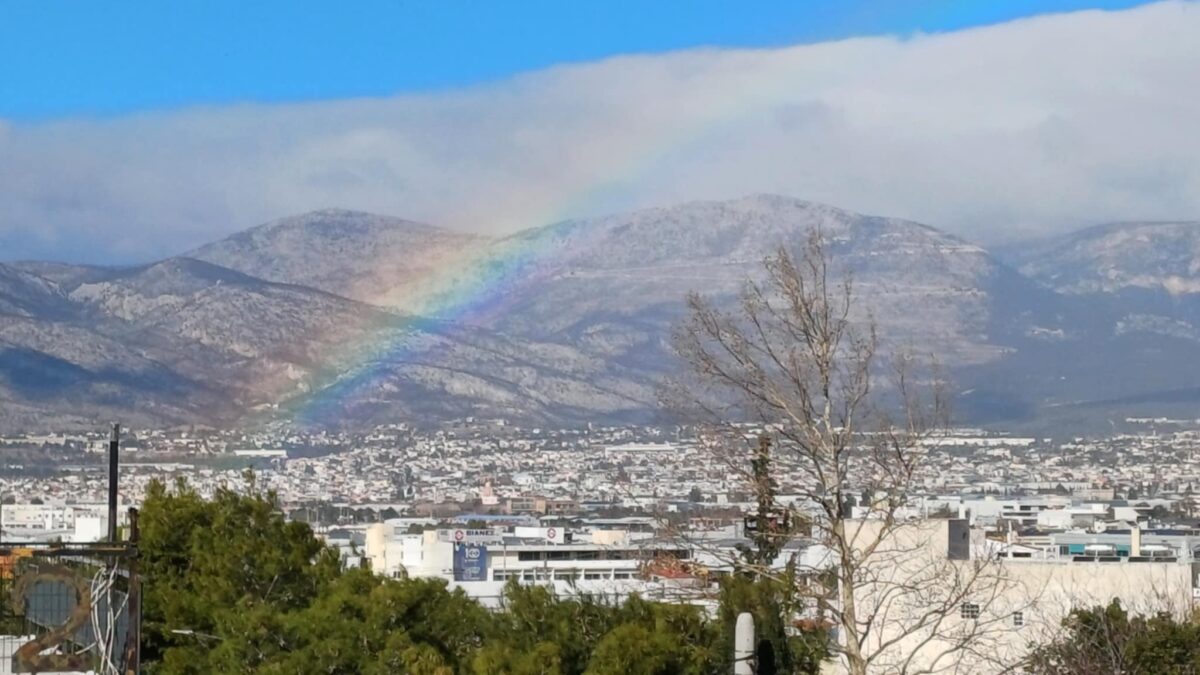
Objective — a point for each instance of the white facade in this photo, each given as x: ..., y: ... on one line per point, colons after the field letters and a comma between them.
x: 45, y: 522
x: 601, y: 562
x: 1008, y: 602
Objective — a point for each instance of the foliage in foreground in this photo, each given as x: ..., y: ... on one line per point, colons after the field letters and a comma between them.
x: 232, y: 587
x: 1111, y: 641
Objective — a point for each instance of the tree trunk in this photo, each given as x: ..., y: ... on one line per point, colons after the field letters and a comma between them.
x: 856, y: 664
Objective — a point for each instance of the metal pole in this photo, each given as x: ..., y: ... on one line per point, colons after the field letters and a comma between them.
x: 114, y: 450
x: 133, y: 636
x: 743, y: 645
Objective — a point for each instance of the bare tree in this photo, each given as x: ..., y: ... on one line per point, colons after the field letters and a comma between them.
x: 846, y: 418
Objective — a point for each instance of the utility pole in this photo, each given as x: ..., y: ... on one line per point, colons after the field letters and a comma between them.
x: 133, y: 634
x: 114, y: 450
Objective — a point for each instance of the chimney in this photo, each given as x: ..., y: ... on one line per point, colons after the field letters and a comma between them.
x: 114, y: 454
x: 1135, y: 541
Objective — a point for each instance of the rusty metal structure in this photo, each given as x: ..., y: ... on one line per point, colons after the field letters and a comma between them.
x: 67, y: 608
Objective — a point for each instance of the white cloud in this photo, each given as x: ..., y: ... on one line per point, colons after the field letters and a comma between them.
x: 1024, y: 128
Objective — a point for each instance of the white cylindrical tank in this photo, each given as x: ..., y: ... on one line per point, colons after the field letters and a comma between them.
x: 743, y: 645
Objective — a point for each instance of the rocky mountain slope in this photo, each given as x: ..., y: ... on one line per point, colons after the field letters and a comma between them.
x: 1136, y: 290
x: 185, y: 341
x: 1116, y: 257
x: 1144, y: 278
x: 362, y: 256
x: 312, y: 318
x: 24, y: 294
x: 60, y: 362
x: 616, y: 283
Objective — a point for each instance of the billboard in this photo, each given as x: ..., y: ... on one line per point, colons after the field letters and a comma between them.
x: 470, y: 562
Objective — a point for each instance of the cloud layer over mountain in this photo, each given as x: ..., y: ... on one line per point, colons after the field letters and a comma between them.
x: 995, y: 133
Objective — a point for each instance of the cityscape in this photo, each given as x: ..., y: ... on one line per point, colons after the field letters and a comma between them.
x: 600, y: 338
x: 596, y: 511
x: 444, y: 472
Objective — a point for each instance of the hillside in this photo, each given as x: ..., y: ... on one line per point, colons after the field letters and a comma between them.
x: 362, y: 256
x: 1115, y: 257
x: 571, y: 322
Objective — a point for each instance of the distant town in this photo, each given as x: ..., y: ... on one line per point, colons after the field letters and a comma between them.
x: 591, y: 508
x: 492, y: 467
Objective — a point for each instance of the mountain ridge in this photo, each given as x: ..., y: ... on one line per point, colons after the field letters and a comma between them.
x: 354, y: 254
x: 314, y: 312
x: 1111, y: 257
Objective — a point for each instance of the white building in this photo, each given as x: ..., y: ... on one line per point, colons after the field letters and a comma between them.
x: 602, y: 562
x: 48, y: 522
x: 1006, y: 603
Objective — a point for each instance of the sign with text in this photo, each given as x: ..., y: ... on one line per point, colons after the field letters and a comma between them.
x: 464, y: 536
x: 470, y: 562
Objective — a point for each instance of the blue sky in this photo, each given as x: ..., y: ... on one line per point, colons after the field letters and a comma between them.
x: 128, y: 134
x: 88, y: 59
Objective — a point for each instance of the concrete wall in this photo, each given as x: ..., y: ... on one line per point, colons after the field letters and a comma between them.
x: 910, y: 579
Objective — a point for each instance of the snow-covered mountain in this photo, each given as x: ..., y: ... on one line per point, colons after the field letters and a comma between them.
x: 1116, y: 257
x: 185, y: 341
x: 1135, y: 292
x: 615, y: 285
x: 362, y: 256
x: 1144, y: 277
x: 24, y: 294
x: 313, y: 317
x: 63, y: 364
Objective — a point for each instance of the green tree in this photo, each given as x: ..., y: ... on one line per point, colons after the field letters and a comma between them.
x: 209, y: 564
x: 232, y: 587
x: 367, y: 624
x: 773, y: 601
x: 498, y: 658
x: 586, y: 634
x: 656, y: 639
x: 770, y: 522
x: 1110, y: 641
x: 534, y: 616
x: 631, y: 649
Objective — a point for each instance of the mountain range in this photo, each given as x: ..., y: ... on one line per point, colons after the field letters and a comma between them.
x: 342, y: 317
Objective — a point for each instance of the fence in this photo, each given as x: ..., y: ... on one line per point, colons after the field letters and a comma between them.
x: 69, y: 608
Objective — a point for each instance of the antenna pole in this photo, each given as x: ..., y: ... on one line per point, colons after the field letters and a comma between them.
x: 114, y: 451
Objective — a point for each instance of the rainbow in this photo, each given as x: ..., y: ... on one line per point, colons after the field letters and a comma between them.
x: 470, y: 287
